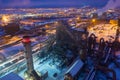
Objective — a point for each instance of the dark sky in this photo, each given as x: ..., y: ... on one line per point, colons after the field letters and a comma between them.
x: 51, y: 3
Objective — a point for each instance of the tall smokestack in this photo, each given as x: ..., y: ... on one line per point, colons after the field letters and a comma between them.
x: 31, y: 73
x: 28, y: 53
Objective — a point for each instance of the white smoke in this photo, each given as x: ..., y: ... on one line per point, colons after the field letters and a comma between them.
x: 110, y: 5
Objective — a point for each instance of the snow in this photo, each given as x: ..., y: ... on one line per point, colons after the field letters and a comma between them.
x: 11, y: 76
x: 75, y: 67
x: 104, y: 31
x: 51, y: 68
x: 14, y: 49
x: 45, y: 66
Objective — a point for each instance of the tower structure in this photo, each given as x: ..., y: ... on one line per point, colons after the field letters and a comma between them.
x: 30, y: 74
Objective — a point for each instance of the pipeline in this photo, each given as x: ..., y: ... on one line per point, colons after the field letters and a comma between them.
x: 102, y: 44
x: 91, y: 74
x: 107, y: 70
x: 108, y: 55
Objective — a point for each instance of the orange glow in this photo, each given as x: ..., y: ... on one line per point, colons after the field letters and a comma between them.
x: 106, y: 31
x: 47, y: 26
x: 93, y: 20
x: 114, y: 22
x: 78, y: 18
x: 5, y: 19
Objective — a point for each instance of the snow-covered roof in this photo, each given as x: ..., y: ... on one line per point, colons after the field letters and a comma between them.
x: 75, y: 68
x: 12, y: 50
x: 11, y: 76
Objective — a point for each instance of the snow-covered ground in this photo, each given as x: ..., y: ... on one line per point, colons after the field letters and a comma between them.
x: 7, y: 52
x: 11, y: 53
x: 47, y: 65
x: 106, y: 31
x: 14, y: 49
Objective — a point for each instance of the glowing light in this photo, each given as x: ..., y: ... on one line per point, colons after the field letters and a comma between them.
x: 70, y: 20
x: 25, y: 75
x: 78, y: 18
x: 27, y: 40
x: 93, y: 20
x: 5, y: 19
x: 47, y: 26
x: 56, y: 23
x: 114, y: 22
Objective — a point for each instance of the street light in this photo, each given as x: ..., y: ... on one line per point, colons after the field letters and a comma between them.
x: 78, y: 18
x: 93, y: 20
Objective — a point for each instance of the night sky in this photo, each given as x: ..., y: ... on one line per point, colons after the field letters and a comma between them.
x: 51, y: 3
